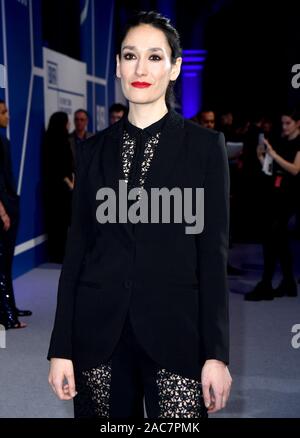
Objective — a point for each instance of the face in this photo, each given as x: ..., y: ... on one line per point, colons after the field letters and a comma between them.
x: 208, y: 120
x: 290, y: 126
x: 145, y: 67
x: 227, y: 119
x: 4, y: 118
x: 81, y: 121
x: 266, y: 127
x: 115, y: 116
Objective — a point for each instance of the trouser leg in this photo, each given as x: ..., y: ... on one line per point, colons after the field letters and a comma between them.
x: 284, y: 250
x: 270, y: 252
x: 112, y: 389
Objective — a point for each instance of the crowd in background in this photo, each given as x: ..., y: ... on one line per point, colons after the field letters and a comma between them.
x: 264, y: 164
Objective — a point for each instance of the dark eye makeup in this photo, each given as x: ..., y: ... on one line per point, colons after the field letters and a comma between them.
x: 128, y: 56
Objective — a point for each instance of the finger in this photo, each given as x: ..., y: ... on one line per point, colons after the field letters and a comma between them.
x: 59, y: 390
x: 71, y: 385
x: 66, y: 392
x: 218, y: 401
x: 224, y: 401
x: 206, y: 395
x: 212, y: 403
x: 225, y: 398
x: 54, y: 388
x: 66, y: 389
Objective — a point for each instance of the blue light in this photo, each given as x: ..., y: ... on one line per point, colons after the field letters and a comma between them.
x: 191, y: 81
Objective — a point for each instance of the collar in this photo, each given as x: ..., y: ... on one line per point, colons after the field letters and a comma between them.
x: 149, y: 131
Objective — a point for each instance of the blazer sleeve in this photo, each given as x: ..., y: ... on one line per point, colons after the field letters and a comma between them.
x: 76, y: 244
x: 213, y: 245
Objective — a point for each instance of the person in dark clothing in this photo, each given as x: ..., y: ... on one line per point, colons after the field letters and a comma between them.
x: 205, y: 118
x: 281, y: 203
x: 58, y: 183
x: 254, y: 185
x: 9, y: 214
x: 116, y: 112
x: 80, y: 133
x: 142, y: 307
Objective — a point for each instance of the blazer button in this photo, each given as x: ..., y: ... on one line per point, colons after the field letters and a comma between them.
x: 127, y: 284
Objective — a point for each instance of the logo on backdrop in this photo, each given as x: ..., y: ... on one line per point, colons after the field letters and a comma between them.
x: 65, y: 84
x: 52, y: 70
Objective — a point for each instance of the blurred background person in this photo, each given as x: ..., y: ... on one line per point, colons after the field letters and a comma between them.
x: 206, y: 118
x: 58, y: 183
x: 281, y: 204
x: 9, y: 215
x: 226, y: 123
x: 80, y: 133
x: 116, y: 112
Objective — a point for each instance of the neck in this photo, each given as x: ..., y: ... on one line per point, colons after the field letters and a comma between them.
x: 143, y: 115
x: 294, y: 135
x: 80, y: 134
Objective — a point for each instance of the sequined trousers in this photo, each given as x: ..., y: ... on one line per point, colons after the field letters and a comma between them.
x: 131, y: 385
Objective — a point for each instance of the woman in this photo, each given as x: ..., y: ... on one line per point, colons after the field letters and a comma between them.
x: 142, y: 307
x: 57, y: 183
x: 9, y: 221
x: 280, y: 205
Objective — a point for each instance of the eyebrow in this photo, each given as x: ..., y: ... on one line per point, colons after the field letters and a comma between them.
x: 152, y: 49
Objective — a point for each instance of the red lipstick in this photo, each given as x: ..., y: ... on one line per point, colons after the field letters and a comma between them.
x: 140, y: 84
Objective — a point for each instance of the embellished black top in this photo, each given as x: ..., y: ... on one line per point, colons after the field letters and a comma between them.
x: 138, y: 149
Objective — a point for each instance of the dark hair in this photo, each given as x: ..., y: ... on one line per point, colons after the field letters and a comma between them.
x: 80, y: 110
x: 118, y: 107
x: 293, y: 113
x: 2, y: 102
x: 162, y: 23
x: 206, y: 110
x: 57, y: 124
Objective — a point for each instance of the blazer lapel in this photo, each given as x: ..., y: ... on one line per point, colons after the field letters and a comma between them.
x: 166, y: 152
x: 112, y: 156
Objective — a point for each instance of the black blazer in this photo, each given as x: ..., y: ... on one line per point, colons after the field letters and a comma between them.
x: 173, y: 284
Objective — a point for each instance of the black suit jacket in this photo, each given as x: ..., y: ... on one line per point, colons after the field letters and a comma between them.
x: 173, y: 284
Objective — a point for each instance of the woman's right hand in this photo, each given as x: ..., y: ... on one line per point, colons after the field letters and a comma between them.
x: 61, y: 370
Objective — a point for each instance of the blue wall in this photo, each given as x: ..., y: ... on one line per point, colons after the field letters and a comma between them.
x: 21, y: 53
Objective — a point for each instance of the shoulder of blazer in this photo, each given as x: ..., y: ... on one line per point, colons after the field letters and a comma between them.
x: 204, y: 142
x: 198, y: 131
